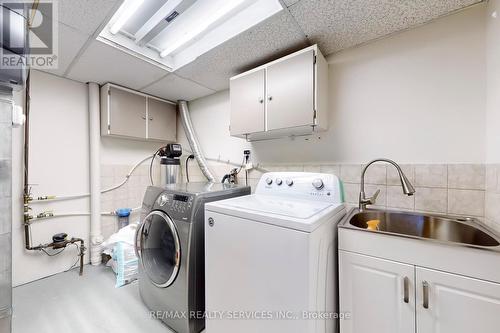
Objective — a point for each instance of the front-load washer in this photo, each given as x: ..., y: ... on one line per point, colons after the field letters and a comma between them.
x: 170, y: 247
x: 271, y: 257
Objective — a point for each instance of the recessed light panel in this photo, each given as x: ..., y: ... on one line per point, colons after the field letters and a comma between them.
x: 173, y: 33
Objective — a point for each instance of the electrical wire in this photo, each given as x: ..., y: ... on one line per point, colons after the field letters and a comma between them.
x: 187, y: 169
x: 219, y: 160
x: 127, y: 177
x: 115, y: 187
x: 151, y: 165
x: 53, y: 254
x: 241, y: 165
x: 77, y: 257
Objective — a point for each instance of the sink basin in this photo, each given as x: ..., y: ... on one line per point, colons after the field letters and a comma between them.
x: 465, y: 231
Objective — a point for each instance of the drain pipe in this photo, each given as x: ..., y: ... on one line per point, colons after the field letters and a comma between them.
x: 96, y: 238
x: 193, y: 141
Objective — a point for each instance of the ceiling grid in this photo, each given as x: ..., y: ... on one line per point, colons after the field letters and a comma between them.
x: 333, y: 25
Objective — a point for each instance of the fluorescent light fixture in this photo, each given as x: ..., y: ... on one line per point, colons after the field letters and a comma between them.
x: 140, y: 28
x: 196, y: 28
x: 129, y: 7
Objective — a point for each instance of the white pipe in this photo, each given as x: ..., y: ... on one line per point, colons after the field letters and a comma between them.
x: 69, y: 214
x: 77, y: 196
x: 96, y: 238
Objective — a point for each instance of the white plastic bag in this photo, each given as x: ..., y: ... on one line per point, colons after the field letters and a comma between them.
x: 126, y: 263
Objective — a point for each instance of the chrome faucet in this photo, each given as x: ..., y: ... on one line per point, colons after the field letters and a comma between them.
x: 405, y: 183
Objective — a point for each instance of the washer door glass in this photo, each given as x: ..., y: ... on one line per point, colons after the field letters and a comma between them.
x: 160, y: 249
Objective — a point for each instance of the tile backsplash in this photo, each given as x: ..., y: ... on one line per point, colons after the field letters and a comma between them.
x: 452, y: 189
x: 492, y: 200
x: 129, y: 195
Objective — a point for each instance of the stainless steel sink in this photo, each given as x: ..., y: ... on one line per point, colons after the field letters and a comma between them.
x: 466, y: 231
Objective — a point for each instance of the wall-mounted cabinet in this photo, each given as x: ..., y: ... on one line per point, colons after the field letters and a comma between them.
x: 285, y: 97
x: 129, y: 114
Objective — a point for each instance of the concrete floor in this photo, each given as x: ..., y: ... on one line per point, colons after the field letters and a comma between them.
x: 67, y: 302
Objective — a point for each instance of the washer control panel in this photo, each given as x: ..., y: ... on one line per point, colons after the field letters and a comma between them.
x: 176, y: 204
x: 320, y: 186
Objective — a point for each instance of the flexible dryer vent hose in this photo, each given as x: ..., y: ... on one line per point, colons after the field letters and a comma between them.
x: 193, y: 140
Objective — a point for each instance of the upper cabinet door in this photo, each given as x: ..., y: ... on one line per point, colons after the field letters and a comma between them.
x: 379, y: 295
x: 290, y: 92
x: 127, y: 113
x: 161, y: 120
x: 247, y: 103
x: 449, y: 303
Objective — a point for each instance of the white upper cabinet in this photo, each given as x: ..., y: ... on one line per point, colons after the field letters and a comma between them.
x: 129, y: 114
x: 285, y: 97
x: 290, y: 92
x: 162, y: 120
x: 247, y: 103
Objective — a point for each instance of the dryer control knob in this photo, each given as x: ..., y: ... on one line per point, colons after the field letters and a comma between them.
x: 279, y: 181
x: 318, y: 184
x: 163, y: 200
x: 289, y: 182
x: 269, y: 181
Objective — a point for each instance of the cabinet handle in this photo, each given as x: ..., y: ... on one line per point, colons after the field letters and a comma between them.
x: 425, y: 290
x: 150, y: 118
x: 261, y: 100
x: 270, y: 98
x: 406, y: 289
x: 143, y: 117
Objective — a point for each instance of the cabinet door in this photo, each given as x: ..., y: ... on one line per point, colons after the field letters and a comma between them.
x: 378, y: 294
x: 456, y: 304
x: 161, y: 120
x: 290, y: 92
x: 247, y: 103
x: 127, y: 113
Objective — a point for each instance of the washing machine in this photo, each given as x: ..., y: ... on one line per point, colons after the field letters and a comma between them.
x: 170, y: 248
x: 271, y: 257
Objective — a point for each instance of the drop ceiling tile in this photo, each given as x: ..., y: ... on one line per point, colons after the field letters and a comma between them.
x: 84, y: 15
x: 102, y: 63
x: 173, y: 87
x: 339, y: 24
x: 271, y: 39
x: 70, y: 43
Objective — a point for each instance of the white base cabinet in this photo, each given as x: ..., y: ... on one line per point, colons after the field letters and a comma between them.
x: 388, y: 296
x: 378, y: 295
x: 450, y: 303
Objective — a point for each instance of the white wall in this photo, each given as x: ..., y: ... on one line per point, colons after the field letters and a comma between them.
x: 493, y: 82
x: 417, y: 97
x: 210, y: 117
x: 59, y: 165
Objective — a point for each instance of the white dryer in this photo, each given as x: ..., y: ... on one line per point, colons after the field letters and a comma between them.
x: 271, y: 257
